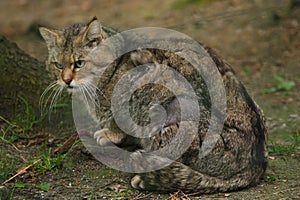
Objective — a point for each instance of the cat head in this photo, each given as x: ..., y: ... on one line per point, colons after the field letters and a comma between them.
x: 68, y: 50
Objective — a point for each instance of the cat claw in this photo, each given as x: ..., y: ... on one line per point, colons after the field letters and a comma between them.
x: 137, y: 182
x: 101, y: 138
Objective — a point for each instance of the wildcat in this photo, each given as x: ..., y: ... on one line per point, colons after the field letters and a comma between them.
x: 237, y: 160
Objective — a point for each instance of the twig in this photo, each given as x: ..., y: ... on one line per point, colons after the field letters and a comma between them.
x: 173, y: 196
x: 22, y: 171
x: 24, y: 159
x: 14, y: 146
x: 66, y: 146
x: 179, y: 195
x: 141, y: 196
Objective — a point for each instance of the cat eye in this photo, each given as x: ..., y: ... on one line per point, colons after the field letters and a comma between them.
x: 79, y: 63
x: 58, y: 65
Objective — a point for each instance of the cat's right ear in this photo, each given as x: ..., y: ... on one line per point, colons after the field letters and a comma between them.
x: 52, y: 37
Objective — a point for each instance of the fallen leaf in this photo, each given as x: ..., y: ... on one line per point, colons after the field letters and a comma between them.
x: 227, y: 194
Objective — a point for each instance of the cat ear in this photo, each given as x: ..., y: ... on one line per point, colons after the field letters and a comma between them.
x: 52, y: 37
x: 93, y: 30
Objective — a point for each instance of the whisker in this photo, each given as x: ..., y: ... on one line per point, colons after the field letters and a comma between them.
x: 96, y: 89
x: 42, y: 102
x: 81, y: 88
x: 50, y: 95
x: 91, y: 93
x: 53, y: 92
x: 45, y: 92
x: 55, y: 97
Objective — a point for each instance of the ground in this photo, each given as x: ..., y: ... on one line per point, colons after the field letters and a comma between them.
x: 260, y: 39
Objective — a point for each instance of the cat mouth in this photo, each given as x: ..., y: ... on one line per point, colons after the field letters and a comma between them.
x: 71, y: 88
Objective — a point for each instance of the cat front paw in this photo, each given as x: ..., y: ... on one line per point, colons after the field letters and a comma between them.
x: 138, y: 183
x: 101, y: 137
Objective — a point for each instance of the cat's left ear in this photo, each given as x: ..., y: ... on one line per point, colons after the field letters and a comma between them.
x: 93, y: 31
x: 52, y: 37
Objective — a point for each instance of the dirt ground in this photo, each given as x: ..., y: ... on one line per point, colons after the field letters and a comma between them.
x: 261, y: 40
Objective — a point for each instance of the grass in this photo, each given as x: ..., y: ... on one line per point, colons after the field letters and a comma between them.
x: 102, y: 173
x: 5, y: 135
x: 285, y: 149
x: 45, y: 186
x: 26, y: 121
x: 91, y: 196
x: 280, y: 150
x: 45, y: 162
x: 48, y: 161
x: 21, y: 185
x: 181, y: 4
x: 123, y: 195
x: 23, y: 123
x: 282, y: 85
x: 271, y: 178
x: 10, y: 131
x: 7, y: 164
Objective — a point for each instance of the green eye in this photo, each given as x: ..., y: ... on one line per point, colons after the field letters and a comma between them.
x: 58, y: 65
x: 79, y: 63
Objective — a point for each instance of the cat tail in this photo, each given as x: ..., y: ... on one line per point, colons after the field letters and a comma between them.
x: 178, y: 176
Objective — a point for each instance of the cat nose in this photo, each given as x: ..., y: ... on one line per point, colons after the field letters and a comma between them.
x: 67, y: 81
